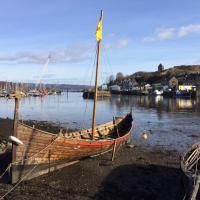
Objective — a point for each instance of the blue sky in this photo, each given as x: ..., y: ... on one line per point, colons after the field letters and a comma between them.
x: 137, y: 35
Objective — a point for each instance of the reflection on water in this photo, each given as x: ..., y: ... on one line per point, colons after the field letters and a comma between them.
x: 158, y: 103
x: 172, y: 123
x: 183, y: 103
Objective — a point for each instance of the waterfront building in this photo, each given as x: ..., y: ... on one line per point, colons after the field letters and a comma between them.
x: 187, y: 88
x: 173, y: 83
x: 115, y: 88
x: 130, y: 84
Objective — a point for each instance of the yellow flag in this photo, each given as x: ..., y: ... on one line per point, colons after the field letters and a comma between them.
x: 99, y: 30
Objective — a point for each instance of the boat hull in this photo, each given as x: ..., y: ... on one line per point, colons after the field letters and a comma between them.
x: 44, y: 152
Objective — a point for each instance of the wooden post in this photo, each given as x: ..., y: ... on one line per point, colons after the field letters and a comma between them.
x: 96, y: 85
x: 15, y: 124
x: 114, y: 149
x: 49, y: 156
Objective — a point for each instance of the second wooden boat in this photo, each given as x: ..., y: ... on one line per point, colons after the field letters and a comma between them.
x: 190, y: 165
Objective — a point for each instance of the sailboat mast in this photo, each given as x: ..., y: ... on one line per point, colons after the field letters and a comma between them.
x: 96, y: 77
x: 96, y: 90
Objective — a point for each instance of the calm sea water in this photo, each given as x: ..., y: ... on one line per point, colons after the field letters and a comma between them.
x: 170, y: 123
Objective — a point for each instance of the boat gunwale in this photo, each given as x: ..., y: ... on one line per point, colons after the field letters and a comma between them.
x: 82, y: 139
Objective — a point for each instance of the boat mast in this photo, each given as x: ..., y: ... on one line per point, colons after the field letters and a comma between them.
x: 96, y: 77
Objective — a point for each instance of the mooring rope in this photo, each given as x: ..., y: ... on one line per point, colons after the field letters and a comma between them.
x: 10, y: 165
x: 2, y: 197
x: 5, y: 170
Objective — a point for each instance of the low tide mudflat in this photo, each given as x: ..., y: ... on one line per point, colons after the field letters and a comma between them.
x: 136, y: 173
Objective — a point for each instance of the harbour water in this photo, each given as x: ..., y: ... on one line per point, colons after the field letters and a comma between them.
x: 169, y: 123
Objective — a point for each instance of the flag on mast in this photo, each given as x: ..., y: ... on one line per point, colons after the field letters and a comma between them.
x: 99, y: 29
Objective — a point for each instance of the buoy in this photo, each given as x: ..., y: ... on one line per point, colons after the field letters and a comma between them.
x: 144, y: 136
x: 15, y: 140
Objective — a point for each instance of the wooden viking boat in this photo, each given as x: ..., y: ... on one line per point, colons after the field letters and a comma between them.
x: 190, y: 165
x: 47, y: 152
x: 36, y: 152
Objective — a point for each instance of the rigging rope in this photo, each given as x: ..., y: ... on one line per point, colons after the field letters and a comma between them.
x: 86, y: 105
x: 43, y: 71
x: 106, y: 64
x: 107, y: 61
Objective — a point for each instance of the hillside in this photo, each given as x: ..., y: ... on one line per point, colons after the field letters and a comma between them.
x: 176, y: 70
x: 70, y: 87
x: 189, y: 73
x: 182, y: 73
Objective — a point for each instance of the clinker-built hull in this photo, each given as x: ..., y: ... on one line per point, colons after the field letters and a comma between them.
x: 43, y: 152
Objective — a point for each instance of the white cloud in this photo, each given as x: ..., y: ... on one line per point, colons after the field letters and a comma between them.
x: 120, y: 43
x: 124, y: 42
x: 185, y: 30
x: 165, y: 34
x: 72, y: 54
x: 172, y: 33
x: 148, y: 39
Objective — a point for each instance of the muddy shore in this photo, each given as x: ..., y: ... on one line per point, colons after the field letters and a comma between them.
x: 139, y: 173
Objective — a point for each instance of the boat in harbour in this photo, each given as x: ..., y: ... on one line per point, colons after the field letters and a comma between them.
x: 36, y: 152
x: 89, y: 94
